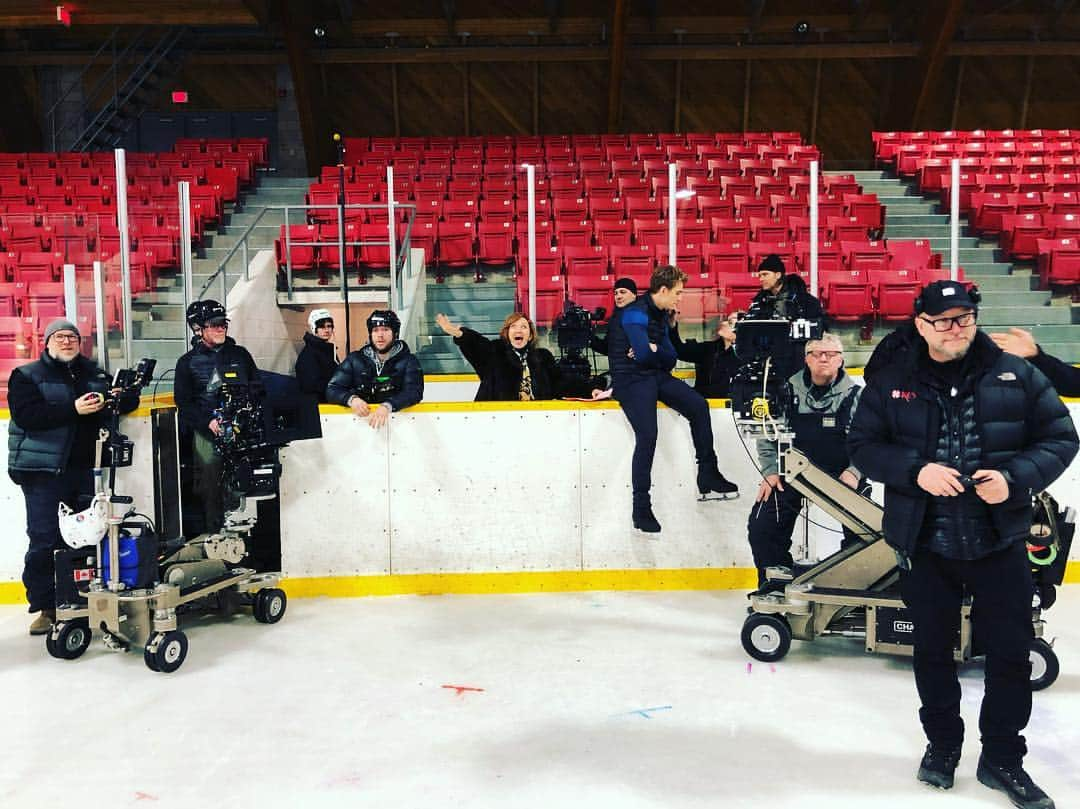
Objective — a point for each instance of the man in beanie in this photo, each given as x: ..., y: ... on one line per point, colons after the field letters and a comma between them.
x: 57, y: 406
x: 199, y: 376
x: 318, y: 358
x: 625, y: 294
x: 962, y: 435
x: 381, y: 377
x: 785, y: 297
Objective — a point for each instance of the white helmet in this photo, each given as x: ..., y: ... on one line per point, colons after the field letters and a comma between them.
x: 81, y: 529
x: 317, y: 315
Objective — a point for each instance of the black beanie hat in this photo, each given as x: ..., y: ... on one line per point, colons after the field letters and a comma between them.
x: 626, y: 283
x: 772, y: 263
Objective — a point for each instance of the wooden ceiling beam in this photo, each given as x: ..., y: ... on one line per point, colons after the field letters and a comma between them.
x: 297, y: 25
x: 617, y: 53
x: 118, y: 12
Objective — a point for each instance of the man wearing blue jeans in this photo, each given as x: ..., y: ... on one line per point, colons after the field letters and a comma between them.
x: 641, y: 356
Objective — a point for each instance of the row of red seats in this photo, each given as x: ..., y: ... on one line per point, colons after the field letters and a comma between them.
x: 40, y: 267
x: 42, y: 301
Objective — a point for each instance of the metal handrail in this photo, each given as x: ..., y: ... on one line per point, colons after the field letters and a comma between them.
x: 241, y: 243
x: 134, y: 81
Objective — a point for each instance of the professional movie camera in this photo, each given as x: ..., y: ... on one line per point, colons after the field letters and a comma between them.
x: 118, y: 448
x: 760, y: 393
x: 573, y: 330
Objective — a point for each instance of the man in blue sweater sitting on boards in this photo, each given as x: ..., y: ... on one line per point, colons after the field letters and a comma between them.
x: 641, y: 356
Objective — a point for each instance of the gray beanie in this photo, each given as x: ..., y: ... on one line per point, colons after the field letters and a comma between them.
x: 60, y: 324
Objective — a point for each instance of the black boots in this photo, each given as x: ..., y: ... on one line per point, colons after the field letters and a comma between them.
x: 938, y: 766
x: 710, y: 481
x: 644, y: 519
x: 1015, y: 783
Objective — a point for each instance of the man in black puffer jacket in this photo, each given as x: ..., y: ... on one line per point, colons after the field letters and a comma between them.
x: 962, y: 435
x: 57, y: 407
x: 318, y: 358
x: 197, y: 391
x: 383, y: 373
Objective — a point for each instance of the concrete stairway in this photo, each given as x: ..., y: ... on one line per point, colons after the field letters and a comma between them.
x: 158, y: 327
x: 482, y: 307
x: 1009, y: 290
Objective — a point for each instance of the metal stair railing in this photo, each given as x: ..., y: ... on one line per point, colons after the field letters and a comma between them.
x: 110, y: 110
x: 77, y: 81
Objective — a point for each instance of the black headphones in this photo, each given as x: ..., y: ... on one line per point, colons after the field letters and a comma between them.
x: 972, y: 290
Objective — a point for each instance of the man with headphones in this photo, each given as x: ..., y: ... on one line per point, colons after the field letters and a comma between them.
x: 381, y: 377
x: 962, y: 435
x: 318, y: 358
x: 825, y: 400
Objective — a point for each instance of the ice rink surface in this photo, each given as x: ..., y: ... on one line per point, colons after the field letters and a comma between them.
x: 527, y: 701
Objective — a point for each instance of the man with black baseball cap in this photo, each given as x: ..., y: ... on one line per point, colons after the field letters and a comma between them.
x: 962, y: 435
x: 197, y: 391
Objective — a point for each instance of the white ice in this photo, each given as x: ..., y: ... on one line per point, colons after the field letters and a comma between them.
x: 594, y: 699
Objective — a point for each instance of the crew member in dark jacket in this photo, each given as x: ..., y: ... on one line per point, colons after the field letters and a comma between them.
x: 57, y: 406
x: 959, y: 406
x: 318, y: 358
x: 641, y: 356
x: 625, y: 293
x: 714, y: 360
x: 199, y: 376
x: 785, y: 297
x: 384, y: 373
x: 1064, y: 377
x: 512, y: 368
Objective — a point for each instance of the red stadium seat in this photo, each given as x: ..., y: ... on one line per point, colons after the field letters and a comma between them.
x: 895, y: 292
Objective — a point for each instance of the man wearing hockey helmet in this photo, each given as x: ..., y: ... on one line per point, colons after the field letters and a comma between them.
x: 381, y: 377
x: 318, y: 358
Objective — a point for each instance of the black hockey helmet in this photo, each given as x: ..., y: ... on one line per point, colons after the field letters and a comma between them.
x: 199, y: 313
x: 384, y: 317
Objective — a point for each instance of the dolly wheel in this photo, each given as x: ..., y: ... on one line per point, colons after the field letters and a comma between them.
x: 170, y: 652
x: 766, y: 637
x: 270, y: 603
x: 1044, y: 665
x: 72, y: 639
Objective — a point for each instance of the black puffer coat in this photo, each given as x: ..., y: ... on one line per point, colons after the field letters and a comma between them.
x: 360, y: 370
x: 792, y: 302
x: 315, y: 366
x: 499, y: 368
x: 198, y: 381
x: 1024, y: 430
x: 1064, y: 377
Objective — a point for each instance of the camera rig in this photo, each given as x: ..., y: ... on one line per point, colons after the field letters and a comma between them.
x: 761, y: 396
x: 573, y: 330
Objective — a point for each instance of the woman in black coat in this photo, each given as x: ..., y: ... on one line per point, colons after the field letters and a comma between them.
x: 511, y: 367
x: 318, y: 358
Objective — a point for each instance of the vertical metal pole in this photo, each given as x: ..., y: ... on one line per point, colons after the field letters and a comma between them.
x: 184, y: 192
x: 99, y: 316
x: 954, y: 234
x: 288, y: 254
x: 395, y: 292
x: 671, y: 214
x: 125, y: 253
x: 814, y: 227
x: 530, y: 171
x: 71, y: 294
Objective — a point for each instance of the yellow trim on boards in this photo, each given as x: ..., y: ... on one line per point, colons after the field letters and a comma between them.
x: 559, y: 581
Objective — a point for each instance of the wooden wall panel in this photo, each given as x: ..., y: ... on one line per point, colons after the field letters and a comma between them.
x: 573, y: 98
x: 712, y: 96
x: 431, y: 100
x: 1055, y: 94
x: 360, y: 99
x: 993, y: 92
x: 648, y: 103
x: 247, y: 87
x: 501, y: 100
x: 781, y: 95
x: 850, y: 108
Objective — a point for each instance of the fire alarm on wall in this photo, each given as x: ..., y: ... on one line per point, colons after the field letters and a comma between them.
x: 63, y: 16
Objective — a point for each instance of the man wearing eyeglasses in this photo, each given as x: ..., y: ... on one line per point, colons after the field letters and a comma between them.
x: 825, y: 400
x: 57, y: 406
x: 199, y: 376
x: 962, y: 435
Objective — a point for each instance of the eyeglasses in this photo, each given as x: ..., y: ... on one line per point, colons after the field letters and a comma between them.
x: 824, y: 355
x: 65, y: 338
x: 944, y: 324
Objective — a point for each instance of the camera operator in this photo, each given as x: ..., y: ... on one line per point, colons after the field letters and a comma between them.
x: 318, y: 358
x: 825, y: 400
x: 625, y: 294
x: 512, y: 367
x: 714, y: 360
x: 384, y: 373
x: 199, y: 376
x: 641, y: 357
x: 58, y: 405
x: 962, y: 435
x: 784, y: 297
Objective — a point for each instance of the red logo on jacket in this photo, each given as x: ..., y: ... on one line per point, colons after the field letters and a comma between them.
x: 906, y: 395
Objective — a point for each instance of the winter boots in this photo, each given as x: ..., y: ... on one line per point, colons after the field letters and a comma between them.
x: 43, y: 622
x: 644, y: 519
x: 1015, y: 783
x: 938, y: 766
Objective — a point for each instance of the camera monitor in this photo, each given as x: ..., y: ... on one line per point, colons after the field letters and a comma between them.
x: 758, y: 339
